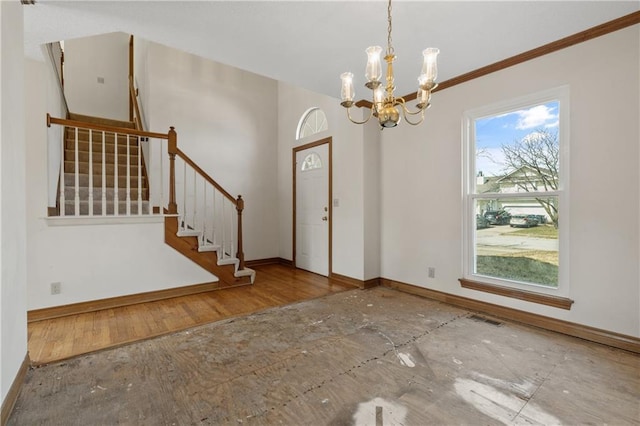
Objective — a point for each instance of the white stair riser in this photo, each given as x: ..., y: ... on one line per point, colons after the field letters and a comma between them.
x: 246, y: 272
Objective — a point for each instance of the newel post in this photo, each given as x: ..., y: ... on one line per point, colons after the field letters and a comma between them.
x: 172, y: 147
x: 240, y: 253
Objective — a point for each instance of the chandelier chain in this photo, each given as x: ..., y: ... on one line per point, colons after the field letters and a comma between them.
x: 390, y: 50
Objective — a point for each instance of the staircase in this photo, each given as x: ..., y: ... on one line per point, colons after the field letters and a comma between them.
x: 192, y: 244
x: 88, y: 174
x: 103, y: 174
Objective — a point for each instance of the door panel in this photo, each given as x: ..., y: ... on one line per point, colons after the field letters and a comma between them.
x: 312, y: 212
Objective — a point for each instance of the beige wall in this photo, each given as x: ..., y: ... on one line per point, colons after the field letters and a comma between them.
x: 226, y: 120
x: 348, y: 173
x: 422, y: 169
x: 103, y: 56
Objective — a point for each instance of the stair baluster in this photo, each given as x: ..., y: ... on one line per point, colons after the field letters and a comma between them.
x: 140, y: 178
x: 104, y: 176
x: 61, y: 183
x: 90, y: 172
x: 128, y: 189
x: 116, y: 196
x: 76, y: 199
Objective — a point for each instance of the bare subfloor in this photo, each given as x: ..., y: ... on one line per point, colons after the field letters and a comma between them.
x: 375, y: 357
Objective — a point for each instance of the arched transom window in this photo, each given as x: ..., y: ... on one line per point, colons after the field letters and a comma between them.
x: 313, y: 121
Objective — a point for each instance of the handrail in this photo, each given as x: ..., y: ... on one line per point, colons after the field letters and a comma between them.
x: 102, y: 127
x: 208, y: 178
x: 136, y: 108
x: 49, y: 49
x: 131, y: 99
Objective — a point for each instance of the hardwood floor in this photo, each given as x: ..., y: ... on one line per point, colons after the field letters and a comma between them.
x: 276, y: 285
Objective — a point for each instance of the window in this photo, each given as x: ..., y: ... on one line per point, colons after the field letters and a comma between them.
x: 515, y: 192
x: 313, y: 121
x: 311, y: 161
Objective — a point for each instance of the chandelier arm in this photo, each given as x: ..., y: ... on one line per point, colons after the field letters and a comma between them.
x: 405, y: 110
x: 359, y: 122
x: 413, y: 123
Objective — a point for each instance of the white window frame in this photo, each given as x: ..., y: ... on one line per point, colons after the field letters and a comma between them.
x: 315, y: 129
x: 560, y: 94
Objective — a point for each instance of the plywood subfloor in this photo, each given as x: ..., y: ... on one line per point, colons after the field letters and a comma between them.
x: 374, y: 357
x: 276, y: 285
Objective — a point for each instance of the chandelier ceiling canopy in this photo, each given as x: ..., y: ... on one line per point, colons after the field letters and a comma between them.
x: 385, y: 106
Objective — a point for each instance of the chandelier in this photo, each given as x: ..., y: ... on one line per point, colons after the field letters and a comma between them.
x: 385, y: 106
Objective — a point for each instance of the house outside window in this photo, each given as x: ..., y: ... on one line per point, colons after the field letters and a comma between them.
x: 515, y: 193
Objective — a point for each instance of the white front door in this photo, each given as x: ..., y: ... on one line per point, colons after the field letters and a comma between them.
x: 312, y: 209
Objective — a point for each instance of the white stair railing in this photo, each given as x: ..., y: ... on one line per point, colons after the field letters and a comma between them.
x: 101, y: 170
x: 206, y: 211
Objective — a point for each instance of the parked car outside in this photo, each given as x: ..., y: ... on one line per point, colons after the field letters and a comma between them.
x: 523, y: 221
x: 497, y: 217
x: 481, y: 222
x: 541, y: 218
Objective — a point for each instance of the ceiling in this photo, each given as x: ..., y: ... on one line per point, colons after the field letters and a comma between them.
x: 310, y: 43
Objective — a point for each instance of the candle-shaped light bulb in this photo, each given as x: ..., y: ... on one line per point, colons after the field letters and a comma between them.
x: 424, y: 96
x: 378, y: 97
x: 374, y: 67
x: 347, y: 92
x: 430, y: 65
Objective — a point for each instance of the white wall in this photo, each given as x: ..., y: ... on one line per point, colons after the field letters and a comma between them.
x: 91, y: 262
x: 102, y: 261
x: 86, y: 59
x: 226, y: 120
x: 422, y: 167
x: 348, y: 173
x: 13, y: 315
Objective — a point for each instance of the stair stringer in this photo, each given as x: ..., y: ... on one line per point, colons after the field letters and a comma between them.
x: 188, y: 243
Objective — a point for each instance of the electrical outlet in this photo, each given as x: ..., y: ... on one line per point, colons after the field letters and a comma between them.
x: 56, y: 288
x: 432, y: 272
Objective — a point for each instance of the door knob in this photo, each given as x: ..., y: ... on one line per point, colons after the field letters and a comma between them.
x: 325, y: 218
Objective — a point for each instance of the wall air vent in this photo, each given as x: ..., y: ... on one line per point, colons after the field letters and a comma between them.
x: 27, y: 2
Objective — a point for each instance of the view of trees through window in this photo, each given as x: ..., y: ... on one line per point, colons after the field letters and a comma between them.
x: 515, y: 199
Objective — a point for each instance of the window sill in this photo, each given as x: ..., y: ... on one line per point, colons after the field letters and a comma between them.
x: 529, y: 296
